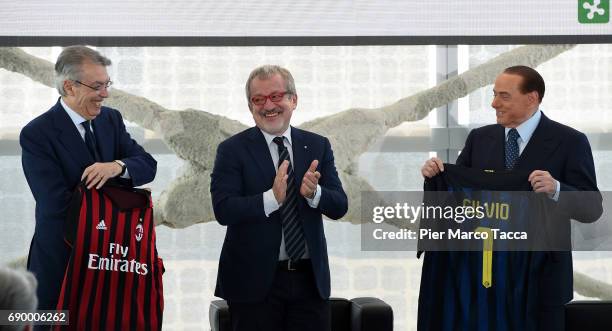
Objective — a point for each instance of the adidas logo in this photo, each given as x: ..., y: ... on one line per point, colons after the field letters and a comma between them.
x: 101, y: 225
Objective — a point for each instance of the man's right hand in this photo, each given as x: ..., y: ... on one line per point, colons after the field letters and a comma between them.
x: 279, y: 188
x: 98, y: 173
x: 432, y: 167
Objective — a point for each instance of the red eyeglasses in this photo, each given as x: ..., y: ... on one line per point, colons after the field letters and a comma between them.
x: 260, y: 100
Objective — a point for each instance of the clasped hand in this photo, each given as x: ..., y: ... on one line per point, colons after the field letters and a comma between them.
x: 309, y: 182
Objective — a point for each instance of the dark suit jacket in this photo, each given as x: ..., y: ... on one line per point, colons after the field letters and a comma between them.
x: 566, y: 154
x: 243, y: 171
x: 54, y: 157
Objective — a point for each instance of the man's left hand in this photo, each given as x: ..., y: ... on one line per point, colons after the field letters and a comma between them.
x: 310, y: 181
x: 98, y: 173
x: 542, y: 182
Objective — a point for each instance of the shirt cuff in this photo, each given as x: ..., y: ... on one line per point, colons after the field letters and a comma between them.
x: 556, y: 195
x: 269, y: 202
x: 314, y: 202
x: 126, y: 174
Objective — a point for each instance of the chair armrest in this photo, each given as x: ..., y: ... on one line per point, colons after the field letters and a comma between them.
x: 588, y: 315
x: 218, y: 315
x: 371, y: 314
x: 340, y: 314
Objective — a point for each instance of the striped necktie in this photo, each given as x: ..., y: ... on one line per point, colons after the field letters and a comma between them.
x: 292, y: 228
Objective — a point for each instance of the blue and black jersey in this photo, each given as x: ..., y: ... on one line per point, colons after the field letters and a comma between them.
x: 491, y: 289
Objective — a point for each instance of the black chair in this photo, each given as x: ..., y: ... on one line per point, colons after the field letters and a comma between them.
x: 588, y: 315
x: 358, y: 314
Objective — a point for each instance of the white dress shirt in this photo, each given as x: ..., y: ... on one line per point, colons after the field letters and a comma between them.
x: 269, y: 201
x: 77, y: 120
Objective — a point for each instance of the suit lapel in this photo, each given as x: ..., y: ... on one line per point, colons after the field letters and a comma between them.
x: 539, y: 148
x: 260, y: 152
x: 70, y: 138
x: 103, y: 141
x: 497, y: 146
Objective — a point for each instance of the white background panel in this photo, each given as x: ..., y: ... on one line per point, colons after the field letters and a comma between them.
x: 294, y: 18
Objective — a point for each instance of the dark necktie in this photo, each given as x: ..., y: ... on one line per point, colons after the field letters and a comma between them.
x: 90, y: 141
x: 512, y: 149
x: 292, y: 228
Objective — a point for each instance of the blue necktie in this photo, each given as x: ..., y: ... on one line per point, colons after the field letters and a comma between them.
x: 292, y: 228
x: 90, y: 141
x: 512, y: 149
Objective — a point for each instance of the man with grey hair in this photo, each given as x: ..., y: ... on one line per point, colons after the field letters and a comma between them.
x: 270, y: 186
x: 77, y: 140
x: 17, y: 292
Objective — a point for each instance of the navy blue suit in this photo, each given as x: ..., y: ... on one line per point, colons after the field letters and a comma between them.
x: 54, y: 157
x: 243, y: 171
x: 566, y: 154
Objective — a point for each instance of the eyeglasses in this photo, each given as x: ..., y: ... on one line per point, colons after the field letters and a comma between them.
x: 99, y: 87
x: 260, y: 100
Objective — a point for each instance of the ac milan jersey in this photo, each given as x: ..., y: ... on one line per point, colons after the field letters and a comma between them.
x: 113, y: 280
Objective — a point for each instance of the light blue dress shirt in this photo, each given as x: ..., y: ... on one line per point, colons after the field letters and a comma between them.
x: 525, y: 131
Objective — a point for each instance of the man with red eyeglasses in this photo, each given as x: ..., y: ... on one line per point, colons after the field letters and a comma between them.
x: 270, y: 186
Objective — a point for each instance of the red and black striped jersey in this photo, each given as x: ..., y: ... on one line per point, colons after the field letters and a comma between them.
x: 113, y: 280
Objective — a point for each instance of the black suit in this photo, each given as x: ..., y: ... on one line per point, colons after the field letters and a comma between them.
x: 243, y: 171
x: 566, y: 154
